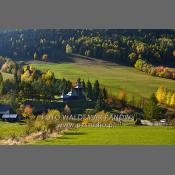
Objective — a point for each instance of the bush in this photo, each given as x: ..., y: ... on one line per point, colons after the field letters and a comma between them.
x: 39, y: 124
x: 51, y: 126
x: 138, y: 122
x: 13, y: 136
x: 159, y: 71
x: 172, y: 123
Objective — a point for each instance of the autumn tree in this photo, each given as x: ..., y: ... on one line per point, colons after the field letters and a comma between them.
x: 172, y: 101
x: 45, y: 57
x: 122, y: 96
x: 68, y: 49
x: 161, y: 94
x: 27, y: 111
x: 168, y: 97
x: 132, y: 56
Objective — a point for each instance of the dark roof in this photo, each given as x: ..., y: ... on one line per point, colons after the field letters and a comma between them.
x: 4, y: 107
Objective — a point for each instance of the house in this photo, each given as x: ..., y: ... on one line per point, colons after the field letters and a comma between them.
x: 77, y: 92
x: 5, y: 114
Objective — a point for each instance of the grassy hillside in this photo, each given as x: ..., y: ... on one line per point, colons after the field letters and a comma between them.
x: 121, y: 135
x: 112, y: 76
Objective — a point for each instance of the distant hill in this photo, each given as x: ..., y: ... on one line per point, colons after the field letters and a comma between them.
x: 120, y: 46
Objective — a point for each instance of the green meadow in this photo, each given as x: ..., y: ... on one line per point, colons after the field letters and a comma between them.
x: 112, y: 76
x: 121, y: 135
x: 9, y: 129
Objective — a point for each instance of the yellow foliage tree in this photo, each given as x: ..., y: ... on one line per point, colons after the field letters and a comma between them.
x: 45, y: 57
x: 172, y: 102
x: 168, y: 97
x: 122, y: 96
x: 161, y: 94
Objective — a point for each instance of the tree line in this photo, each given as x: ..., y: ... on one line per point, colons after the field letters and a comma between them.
x: 121, y: 46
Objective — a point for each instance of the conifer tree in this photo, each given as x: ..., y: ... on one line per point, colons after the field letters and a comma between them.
x: 1, y: 84
x: 89, y: 90
x: 96, y: 90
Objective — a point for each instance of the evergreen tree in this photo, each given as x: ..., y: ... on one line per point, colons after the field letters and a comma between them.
x: 151, y: 109
x: 96, y: 90
x: 16, y: 79
x: 35, y: 56
x: 105, y: 94
x: 100, y: 101
x: 1, y: 84
x: 84, y: 85
x: 89, y: 90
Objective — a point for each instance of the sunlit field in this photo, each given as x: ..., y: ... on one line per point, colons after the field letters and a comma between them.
x: 112, y: 76
x: 121, y: 135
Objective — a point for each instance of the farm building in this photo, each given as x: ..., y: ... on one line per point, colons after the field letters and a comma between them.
x: 77, y: 92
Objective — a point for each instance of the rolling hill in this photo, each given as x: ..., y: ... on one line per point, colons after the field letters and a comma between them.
x: 112, y: 76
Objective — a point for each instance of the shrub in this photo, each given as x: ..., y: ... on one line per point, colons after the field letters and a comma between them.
x: 172, y: 123
x: 67, y: 110
x: 13, y: 136
x: 139, y: 63
x: 53, y: 114
x: 51, y: 126
x: 39, y: 124
x: 138, y: 122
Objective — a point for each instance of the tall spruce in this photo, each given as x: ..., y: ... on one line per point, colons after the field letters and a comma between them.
x: 105, y: 94
x: 96, y: 90
x: 89, y: 90
x: 1, y: 84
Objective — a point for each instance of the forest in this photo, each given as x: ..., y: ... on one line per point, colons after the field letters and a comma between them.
x: 121, y: 46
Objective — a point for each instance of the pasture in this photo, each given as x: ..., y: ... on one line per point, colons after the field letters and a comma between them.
x: 9, y: 129
x: 112, y: 76
x: 120, y: 135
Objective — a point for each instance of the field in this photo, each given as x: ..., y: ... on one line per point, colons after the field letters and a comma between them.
x: 9, y: 129
x: 121, y: 135
x: 112, y: 76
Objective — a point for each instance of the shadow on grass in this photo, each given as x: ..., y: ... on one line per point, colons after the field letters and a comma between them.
x: 64, y: 138
x: 75, y: 133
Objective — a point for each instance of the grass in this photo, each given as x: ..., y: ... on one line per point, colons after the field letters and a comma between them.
x: 8, y: 129
x: 112, y: 76
x: 121, y: 135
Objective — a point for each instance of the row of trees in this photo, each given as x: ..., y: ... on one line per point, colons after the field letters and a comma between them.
x: 158, y: 71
